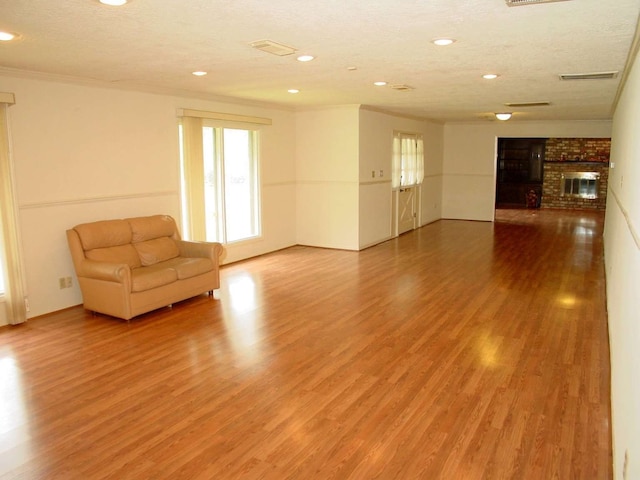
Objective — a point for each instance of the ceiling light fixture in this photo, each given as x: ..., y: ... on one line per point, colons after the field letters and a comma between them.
x: 490, y: 76
x: 443, y: 42
x: 113, y: 3
x: 7, y: 36
x: 305, y: 58
x: 293, y: 90
x: 503, y: 116
x: 199, y: 73
x: 379, y: 84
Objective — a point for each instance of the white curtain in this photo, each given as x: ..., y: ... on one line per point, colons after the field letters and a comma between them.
x: 10, y: 251
x: 396, y: 164
x: 193, y: 177
x: 419, y: 160
x: 408, y: 160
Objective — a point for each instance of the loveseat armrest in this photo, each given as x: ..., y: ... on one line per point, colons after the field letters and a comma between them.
x: 112, y: 272
x: 191, y: 249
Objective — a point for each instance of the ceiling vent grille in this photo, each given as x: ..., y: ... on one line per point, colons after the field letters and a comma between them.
x: 515, y: 3
x: 273, y: 47
x: 588, y: 76
x: 528, y: 104
x: 401, y: 87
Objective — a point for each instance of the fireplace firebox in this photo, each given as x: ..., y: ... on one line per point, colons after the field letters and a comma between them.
x: 580, y: 184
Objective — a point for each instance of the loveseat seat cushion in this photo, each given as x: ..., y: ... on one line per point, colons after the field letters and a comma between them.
x: 189, y: 267
x: 146, y: 278
x: 156, y: 250
x: 119, y: 254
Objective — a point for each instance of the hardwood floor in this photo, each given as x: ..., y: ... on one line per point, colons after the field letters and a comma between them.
x: 462, y: 350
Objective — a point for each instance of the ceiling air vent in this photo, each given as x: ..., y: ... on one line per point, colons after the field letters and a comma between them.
x: 588, y: 76
x: 273, y: 47
x: 528, y: 104
x: 515, y: 3
x: 402, y: 87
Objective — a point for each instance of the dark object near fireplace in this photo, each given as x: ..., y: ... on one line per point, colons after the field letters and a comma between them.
x: 533, y: 199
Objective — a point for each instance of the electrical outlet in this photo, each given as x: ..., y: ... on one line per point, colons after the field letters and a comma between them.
x: 381, y: 173
x: 62, y: 283
x: 67, y: 282
x: 373, y: 174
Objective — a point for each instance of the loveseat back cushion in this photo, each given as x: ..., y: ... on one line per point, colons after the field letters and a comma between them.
x: 105, y: 233
x: 155, y: 226
x: 156, y: 250
x: 119, y: 254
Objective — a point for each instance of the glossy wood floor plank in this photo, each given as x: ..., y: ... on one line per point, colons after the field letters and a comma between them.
x: 462, y: 350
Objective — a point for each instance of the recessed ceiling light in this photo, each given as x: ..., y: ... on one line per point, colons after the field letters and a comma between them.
x: 379, y: 84
x: 305, y: 58
x: 503, y: 116
x: 490, y: 76
x: 443, y: 42
x: 352, y: 69
x: 293, y: 90
x: 114, y: 3
x: 7, y: 36
x: 199, y: 73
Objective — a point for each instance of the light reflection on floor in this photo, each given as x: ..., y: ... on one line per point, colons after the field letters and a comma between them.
x: 12, y: 409
x: 14, y: 427
x: 241, y: 293
x: 243, y: 317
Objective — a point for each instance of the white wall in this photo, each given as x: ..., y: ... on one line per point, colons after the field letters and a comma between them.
x: 344, y: 175
x: 622, y: 259
x: 327, y: 177
x: 432, y: 187
x: 470, y: 159
x: 84, y: 153
x: 376, y: 146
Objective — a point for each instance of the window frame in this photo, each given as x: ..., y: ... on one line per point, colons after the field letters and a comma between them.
x: 188, y: 196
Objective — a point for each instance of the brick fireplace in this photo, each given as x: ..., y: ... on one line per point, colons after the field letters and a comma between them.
x: 576, y: 173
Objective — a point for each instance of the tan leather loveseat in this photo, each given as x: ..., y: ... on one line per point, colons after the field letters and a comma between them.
x: 131, y: 266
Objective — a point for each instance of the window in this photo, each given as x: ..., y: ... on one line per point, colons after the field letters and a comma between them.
x: 220, y: 181
x: 231, y: 187
x: 408, y: 160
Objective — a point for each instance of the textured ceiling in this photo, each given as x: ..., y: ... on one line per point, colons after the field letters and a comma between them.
x: 154, y: 45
